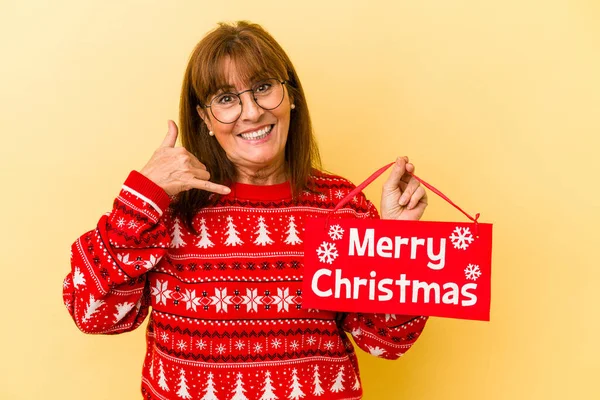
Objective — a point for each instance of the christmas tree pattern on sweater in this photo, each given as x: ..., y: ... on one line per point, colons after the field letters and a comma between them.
x: 226, y: 318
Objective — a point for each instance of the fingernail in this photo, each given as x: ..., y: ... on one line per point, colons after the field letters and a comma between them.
x: 227, y: 190
x: 403, y: 200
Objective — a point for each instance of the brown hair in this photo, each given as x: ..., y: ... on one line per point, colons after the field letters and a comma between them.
x: 256, y: 55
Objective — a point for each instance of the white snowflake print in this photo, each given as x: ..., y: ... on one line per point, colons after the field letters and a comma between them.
x: 66, y: 283
x: 132, y: 224
x: 239, y: 345
x: 276, y: 343
x: 201, y: 344
x: 356, y: 332
x: 376, y: 351
x: 121, y: 222
x: 220, y: 299
x: 329, y: 345
x: 336, y: 232
x: 472, y: 272
x: 164, y: 336
x: 252, y: 300
x: 181, y: 345
x: 461, y: 238
x: 339, y: 194
x: 221, y: 348
x: 322, y: 197
x: 355, y: 199
x: 258, y: 348
x: 190, y: 299
x: 161, y: 292
x: 389, y: 317
x: 327, y: 252
x: 311, y: 340
x: 124, y: 259
x: 148, y: 264
x: 283, y: 299
x: 294, y: 345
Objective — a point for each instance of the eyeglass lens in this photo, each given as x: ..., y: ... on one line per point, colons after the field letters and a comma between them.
x: 227, y: 107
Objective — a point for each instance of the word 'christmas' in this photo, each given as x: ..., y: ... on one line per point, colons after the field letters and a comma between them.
x: 382, y: 289
x: 388, y: 248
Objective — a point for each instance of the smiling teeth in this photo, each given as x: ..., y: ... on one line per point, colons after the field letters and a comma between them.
x: 258, y: 134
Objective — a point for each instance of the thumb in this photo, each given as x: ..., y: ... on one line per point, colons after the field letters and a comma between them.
x: 398, y: 171
x: 171, y: 137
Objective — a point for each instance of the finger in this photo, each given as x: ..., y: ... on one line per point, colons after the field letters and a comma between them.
x: 201, y: 173
x: 209, y: 186
x: 171, y: 138
x: 409, y: 191
x: 406, y: 177
x: 398, y: 170
x: 405, y: 180
x: 196, y: 163
x: 419, y: 196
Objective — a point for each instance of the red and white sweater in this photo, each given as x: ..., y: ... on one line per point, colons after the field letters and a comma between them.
x: 227, y: 321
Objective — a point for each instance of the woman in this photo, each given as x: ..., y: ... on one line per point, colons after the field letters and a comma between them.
x: 210, y: 235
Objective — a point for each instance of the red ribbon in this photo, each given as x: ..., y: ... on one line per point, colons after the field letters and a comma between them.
x: 380, y: 171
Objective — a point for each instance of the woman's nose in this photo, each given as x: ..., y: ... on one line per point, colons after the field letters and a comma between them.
x: 250, y: 110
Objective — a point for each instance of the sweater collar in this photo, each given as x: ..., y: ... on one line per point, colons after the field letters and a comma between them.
x: 245, y: 191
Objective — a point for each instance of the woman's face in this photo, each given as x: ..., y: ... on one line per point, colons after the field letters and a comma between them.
x: 244, y: 141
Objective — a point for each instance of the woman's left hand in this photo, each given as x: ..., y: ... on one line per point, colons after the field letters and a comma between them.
x: 403, y: 197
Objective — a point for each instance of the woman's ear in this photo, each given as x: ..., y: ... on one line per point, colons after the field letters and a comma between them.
x: 203, y: 114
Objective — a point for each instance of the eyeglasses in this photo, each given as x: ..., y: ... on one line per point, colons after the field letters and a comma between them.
x: 227, y: 107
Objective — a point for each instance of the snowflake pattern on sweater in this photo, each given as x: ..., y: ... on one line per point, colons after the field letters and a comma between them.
x: 226, y: 318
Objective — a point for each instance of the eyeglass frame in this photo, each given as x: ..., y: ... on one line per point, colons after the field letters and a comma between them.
x: 283, y: 83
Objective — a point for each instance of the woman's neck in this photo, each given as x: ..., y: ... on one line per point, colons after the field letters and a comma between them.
x: 269, y: 175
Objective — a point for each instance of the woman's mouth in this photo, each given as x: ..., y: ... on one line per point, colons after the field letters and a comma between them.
x: 257, y: 135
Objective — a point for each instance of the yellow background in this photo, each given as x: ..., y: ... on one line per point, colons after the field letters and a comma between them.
x: 496, y: 102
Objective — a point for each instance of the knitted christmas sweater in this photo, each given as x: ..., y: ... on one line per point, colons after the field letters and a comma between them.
x: 226, y: 320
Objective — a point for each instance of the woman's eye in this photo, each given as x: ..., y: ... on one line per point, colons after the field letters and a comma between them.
x: 263, y: 87
x: 225, y: 99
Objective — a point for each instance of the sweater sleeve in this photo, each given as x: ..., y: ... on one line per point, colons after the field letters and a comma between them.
x: 106, y: 291
x: 383, y: 335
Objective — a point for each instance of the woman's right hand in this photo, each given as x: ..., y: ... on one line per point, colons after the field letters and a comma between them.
x: 175, y: 169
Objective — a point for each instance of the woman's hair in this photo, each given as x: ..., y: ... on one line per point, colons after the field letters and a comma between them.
x: 254, y: 53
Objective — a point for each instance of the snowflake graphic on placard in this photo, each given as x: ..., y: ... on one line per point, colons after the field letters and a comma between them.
x: 461, y: 238
x: 327, y: 252
x: 472, y: 272
x: 336, y: 232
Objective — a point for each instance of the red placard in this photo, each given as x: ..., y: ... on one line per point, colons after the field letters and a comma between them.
x: 398, y: 267
x: 439, y: 269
